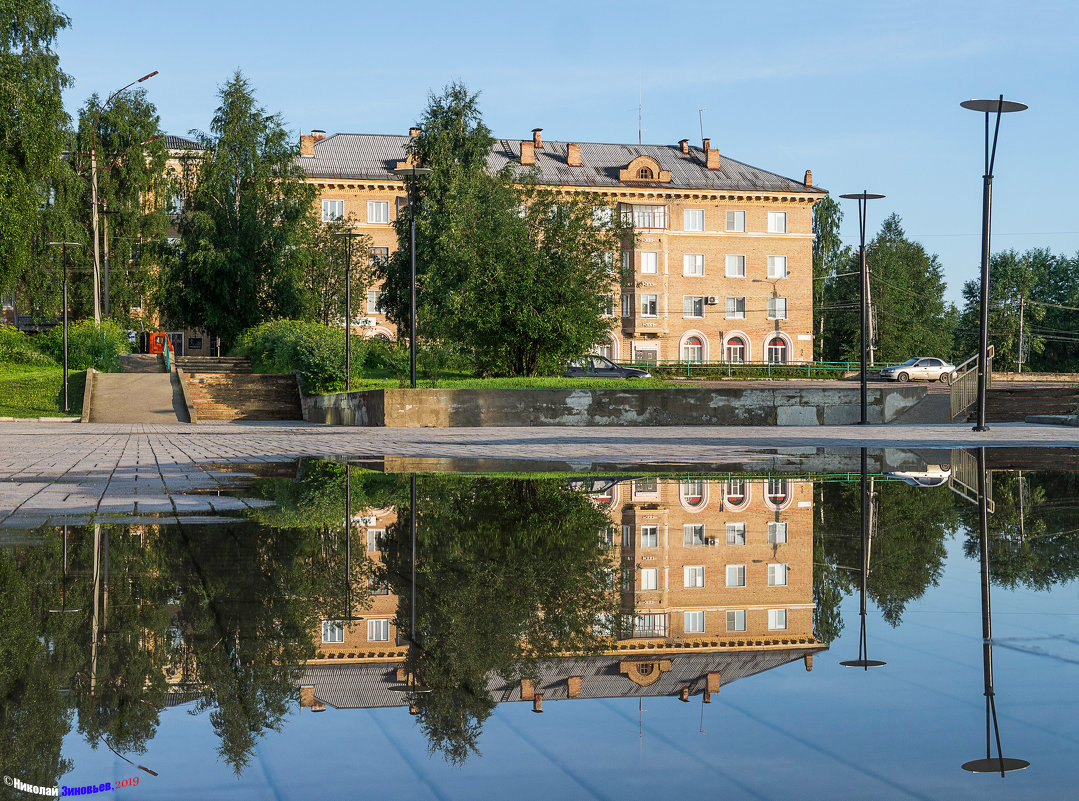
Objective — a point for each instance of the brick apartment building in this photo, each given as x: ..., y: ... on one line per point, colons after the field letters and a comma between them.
x: 722, y: 263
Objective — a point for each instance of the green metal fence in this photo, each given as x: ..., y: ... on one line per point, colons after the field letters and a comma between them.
x: 723, y: 369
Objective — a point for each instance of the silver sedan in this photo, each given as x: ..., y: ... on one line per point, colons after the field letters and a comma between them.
x: 923, y: 368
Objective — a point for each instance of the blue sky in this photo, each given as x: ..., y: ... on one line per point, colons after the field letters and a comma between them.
x: 864, y: 94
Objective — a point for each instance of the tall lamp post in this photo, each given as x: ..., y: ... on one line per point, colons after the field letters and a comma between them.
x: 348, y: 235
x: 868, y: 504
x: 413, y: 172
x: 1000, y: 106
x: 93, y: 191
x: 63, y: 258
x: 863, y: 198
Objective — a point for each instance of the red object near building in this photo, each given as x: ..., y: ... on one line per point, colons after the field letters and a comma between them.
x: 154, y: 342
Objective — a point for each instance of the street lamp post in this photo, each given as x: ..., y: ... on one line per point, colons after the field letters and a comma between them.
x: 1000, y: 106
x: 863, y: 198
x: 63, y: 259
x: 93, y: 192
x: 868, y: 502
x: 348, y: 235
x: 413, y: 172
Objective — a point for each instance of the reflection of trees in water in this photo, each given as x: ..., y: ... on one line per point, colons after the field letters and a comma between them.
x: 510, y: 572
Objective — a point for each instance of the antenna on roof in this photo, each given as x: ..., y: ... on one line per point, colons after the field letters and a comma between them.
x: 700, y: 114
x: 640, y: 110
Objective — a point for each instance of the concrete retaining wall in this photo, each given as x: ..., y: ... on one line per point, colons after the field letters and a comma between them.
x: 441, y: 408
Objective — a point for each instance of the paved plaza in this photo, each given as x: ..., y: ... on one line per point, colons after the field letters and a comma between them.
x: 53, y: 473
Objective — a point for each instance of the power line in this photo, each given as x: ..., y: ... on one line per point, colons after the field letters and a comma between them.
x: 1053, y: 305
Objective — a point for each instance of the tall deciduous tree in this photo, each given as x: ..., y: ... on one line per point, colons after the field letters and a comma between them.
x: 829, y: 255
x: 244, y: 216
x: 327, y: 248
x: 513, y: 272
x: 33, y: 131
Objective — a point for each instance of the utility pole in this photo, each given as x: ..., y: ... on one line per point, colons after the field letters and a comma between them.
x: 871, y: 321
x: 1019, y: 356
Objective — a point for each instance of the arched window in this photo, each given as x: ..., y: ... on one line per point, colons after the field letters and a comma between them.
x: 778, y: 491
x: 735, y: 492
x: 692, y: 350
x: 736, y: 349
x: 603, y: 349
x: 645, y: 173
x: 777, y: 350
x: 692, y: 492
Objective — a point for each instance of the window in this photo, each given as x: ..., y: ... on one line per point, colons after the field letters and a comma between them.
x: 649, y: 305
x: 378, y: 630
x: 777, y: 222
x: 777, y: 266
x: 736, y: 349
x: 736, y: 221
x: 627, y: 536
x: 649, y: 536
x: 736, y: 266
x: 693, y: 348
x: 375, y: 587
x: 694, y: 219
x: 377, y: 256
x: 603, y: 349
x: 646, y: 486
x: 693, y: 535
x: 736, y: 533
x: 333, y: 631
x: 649, y: 263
x: 778, y: 490
x: 650, y: 216
x: 374, y: 539
x: 777, y: 350
x: 693, y: 622
x: 693, y: 306
x: 373, y: 297
x: 606, y: 305
x: 735, y: 492
x: 176, y: 205
x: 333, y: 210
x: 692, y: 492
x: 777, y: 575
x: 777, y: 619
x: 601, y: 216
x: 378, y: 211
x: 627, y: 261
x: 777, y: 308
x: 645, y: 174
x: 693, y: 264
x: 693, y: 576
x: 736, y: 575
x: 195, y: 343
x: 736, y: 308
x: 649, y: 578
x: 736, y: 620
x: 777, y: 533
x: 650, y: 626
x: 627, y: 305
x: 646, y: 356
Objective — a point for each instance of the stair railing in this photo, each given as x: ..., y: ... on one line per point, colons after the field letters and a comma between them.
x: 963, y: 389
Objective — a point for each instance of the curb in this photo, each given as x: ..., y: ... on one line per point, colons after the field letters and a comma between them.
x: 87, y: 392
x: 1054, y: 419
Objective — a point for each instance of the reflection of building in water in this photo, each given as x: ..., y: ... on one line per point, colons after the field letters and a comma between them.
x: 718, y: 574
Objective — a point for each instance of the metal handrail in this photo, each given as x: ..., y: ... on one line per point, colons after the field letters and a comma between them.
x: 808, y: 368
x: 963, y: 389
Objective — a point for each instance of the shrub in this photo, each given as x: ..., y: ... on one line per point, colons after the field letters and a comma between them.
x: 88, y: 345
x: 16, y: 347
x: 317, y: 351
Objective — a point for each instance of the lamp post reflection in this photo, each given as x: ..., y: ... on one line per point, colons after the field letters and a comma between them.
x: 868, y: 507
x: 412, y: 686
x: 999, y: 764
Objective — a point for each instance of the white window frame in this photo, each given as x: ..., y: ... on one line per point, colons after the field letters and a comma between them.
x: 378, y: 630
x: 693, y: 220
x: 627, y: 305
x: 736, y: 222
x: 687, y: 355
x: 694, y: 535
x: 736, y: 531
x: 777, y: 266
x: 333, y: 631
x: 777, y: 308
x: 736, y: 575
x: 693, y: 577
x: 727, y: 352
x: 777, y: 575
x: 650, y: 301
x: 649, y: 262
x: 690, y: 305
x: 735, y: 265
x: 777, y: 619
x: 693, y: 622
x: 649, y: 578
x: 373, y: 296
x: 731, y: 310
x: 691, y: 492
x: 606, y: 305
x: 649, y: 216
x: 604, y: 348
x: 777, y: 222
x: 736, y: 620
x: 777, y: 533
x: 373, y: 535
x: 378, y: 212
x: 652, y: 533
x: 770, y: 350
x: 333, y: 210
x: 693, y: 264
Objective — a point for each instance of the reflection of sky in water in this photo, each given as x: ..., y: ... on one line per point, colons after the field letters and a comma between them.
x: 897, y: 732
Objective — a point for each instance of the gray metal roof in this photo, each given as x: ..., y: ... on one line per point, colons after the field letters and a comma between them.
x: 181, y: 143
x: 367, y: 685
x: 372, y: 156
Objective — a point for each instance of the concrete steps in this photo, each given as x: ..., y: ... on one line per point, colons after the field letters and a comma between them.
x: 1014, y: 404
x: 214, y: 364
x: 243, y: 396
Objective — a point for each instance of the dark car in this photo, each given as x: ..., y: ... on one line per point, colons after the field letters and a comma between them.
x: 601, y: 367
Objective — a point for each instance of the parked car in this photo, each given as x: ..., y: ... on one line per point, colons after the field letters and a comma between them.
x: 601, y: 367
x: 927, y: 368
x: 934, y: 475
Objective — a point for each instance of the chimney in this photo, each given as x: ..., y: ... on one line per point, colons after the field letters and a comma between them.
x: 307, y: 145
x: 808, y: 180
x: 808, y: 659
x: 413, y: 131
x: 307, y: 696
x: 707, y: 697
x: 318, y: 135
x: 573, y: 686
x: 684, y: 695
x: 537, y: 703
x: 528, y: 689
x: 683, y: 145
x: 573, y: 154
x: 528, y: 154
x: 537, y: 140
x: 712, y: 156
x: 707, y: 144
x: 318, y: 706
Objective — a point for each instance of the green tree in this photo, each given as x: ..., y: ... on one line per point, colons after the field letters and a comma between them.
x: 1059, y: 328
x: 246, y: 209
x: 829, y: 257
x: 326, y: 250
x: 907, y: 287
x: 33, y: 129
x: 511, y: 271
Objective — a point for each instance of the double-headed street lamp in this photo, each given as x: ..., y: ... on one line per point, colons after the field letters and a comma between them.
x: 863, y: 198
x: 349, y: 235
x: 413, y: 172
x: 63, y: 258
x: 1000, y: 106
x: 93, y: 191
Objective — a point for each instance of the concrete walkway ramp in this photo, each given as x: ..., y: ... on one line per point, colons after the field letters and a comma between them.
x: 137, y: 398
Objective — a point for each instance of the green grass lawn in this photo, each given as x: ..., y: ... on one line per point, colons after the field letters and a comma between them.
x: 35, y: 391
x: 549, y: 382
